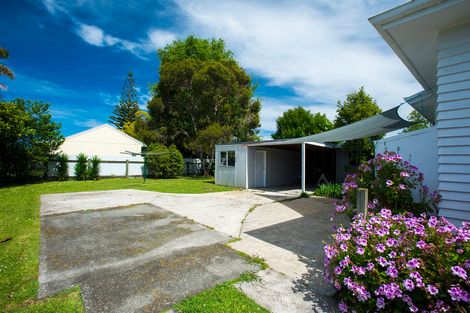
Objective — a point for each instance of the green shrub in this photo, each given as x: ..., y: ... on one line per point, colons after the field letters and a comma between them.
x: 80, y: 168
x: 164, y: 162
x: 330, y: 190
x: 391, y: 182
x: 62, y: 166
x: 94, y: 168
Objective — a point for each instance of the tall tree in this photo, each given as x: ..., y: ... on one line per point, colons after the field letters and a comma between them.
x: 5, y: 70
x: 357, y: 106
x: 126, y: 110
x: 419, y: 119
x: 299, y: 122
x: 28, y: 137
x: 201, y: 84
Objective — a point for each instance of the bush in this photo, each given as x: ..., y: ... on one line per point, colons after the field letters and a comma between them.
x: 400, y: 263
x: 166, y: 162
x: 94, y: 168
x: 391, y: 182
x: 80, y: 168
x: 62, y: 166
x: 330, y: 190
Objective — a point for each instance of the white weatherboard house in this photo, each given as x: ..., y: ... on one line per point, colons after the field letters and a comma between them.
x: 107, y: 143
x: 432, y: 38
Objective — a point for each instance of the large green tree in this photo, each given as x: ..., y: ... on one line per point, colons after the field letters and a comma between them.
x: 201, y: 84
x: 299, y: 122
x: 5, y: 70
x: 419, y: 120
x: 357, y: 106
x: 126, y: 110
x: 28, y: 137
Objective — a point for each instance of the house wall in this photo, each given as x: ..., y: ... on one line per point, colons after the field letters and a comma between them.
x: 453, y: 121
x: 418, y: 147
x: 282, y: 167
x: 231, y: 175
x: 101, y: 141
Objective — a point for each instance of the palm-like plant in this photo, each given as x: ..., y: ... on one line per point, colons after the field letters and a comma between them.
x: 5, y: 70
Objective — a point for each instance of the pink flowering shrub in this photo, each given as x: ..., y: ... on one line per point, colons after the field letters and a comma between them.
x: 390, y: 182
x: 400, y: 263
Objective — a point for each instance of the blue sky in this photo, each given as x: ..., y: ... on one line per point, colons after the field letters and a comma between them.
x: 76, y: 54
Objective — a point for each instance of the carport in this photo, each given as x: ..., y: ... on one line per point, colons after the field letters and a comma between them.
x: 274, y: 163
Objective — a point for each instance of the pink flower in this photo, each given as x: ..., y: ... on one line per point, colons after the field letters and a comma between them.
x: 432, y: 289
x: 413, y: 263
x: 458, y: 271
x: 380, y: 248
x: 408, y: 284
x: 404, y: 174
x: 389, y: 183
x: 401, y: 186
x: 380, y: 303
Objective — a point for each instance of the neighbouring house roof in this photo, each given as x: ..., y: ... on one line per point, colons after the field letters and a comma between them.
x: 375, y: 125
x: 105, y: 126
x: 411, y: 30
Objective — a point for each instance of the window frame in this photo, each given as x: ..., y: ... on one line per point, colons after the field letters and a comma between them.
x: 226, y: 158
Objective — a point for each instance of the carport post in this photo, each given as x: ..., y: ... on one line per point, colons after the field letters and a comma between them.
x: 303, y: 166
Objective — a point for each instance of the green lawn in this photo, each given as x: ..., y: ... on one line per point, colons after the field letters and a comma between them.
x: 222, y: 298
x: 19, y: 219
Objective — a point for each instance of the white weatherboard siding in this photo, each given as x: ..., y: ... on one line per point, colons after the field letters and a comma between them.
x: 103, y: 140
x: 453, y: 122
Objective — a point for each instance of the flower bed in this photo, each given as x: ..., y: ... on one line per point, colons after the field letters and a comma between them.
x: 400, y: 263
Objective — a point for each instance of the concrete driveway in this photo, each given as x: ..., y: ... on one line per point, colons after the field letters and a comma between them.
x: 175, y: 257
x: 137, y: 258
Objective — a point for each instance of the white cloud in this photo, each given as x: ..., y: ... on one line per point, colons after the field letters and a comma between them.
x: 321, y: 49
x: 160, y: 38
x: 156, y: 38
x: 90, y: 123
x: 91, y: 34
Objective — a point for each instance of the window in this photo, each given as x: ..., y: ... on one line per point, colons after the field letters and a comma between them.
x: 223, y: 158
x: 227, y: 158
x: 231, y: 158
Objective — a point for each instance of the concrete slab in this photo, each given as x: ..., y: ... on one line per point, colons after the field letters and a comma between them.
x: 290, y: 236
x: 80, y: 201
x: 279, y: 294
x: 132, y: 259
x: 223, y: 211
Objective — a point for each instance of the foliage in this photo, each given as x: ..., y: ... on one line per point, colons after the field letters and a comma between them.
x: 94, y: 168
x: 81, y: 167
x: 299, y: 122
x: 5, y: 70
x: 205, y: 143
x: 221, y: 298
x: 330, y: 190
x: 126, y: 110
x: 357, y: 106
x: 164, y: 162
x: 201, y: 84
x: 62, y: 166
x: 390, y: 182
x: 420, y: 120
x: 141, y: 129
x: 20, y: 219
x: 28, y: 137
x: 400, y: 263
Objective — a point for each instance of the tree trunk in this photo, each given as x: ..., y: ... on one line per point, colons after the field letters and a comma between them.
x: 203, y: 163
